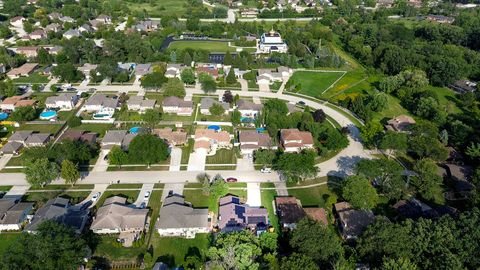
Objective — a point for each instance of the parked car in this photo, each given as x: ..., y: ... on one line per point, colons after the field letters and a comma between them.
x: 301, y: 102
x: 96, y: 196
x: 231, y: 180
x: 147, y: 195
x: 143, y: 205
x: 266, y: 170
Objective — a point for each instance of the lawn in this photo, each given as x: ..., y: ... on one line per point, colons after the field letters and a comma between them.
x: 63, y: 187
x: 174, y: 250
x: 34, y: 78
x: 40, y: 198
x: 351, y: 79
x: 317, y: 196
x: 211, y: 46
x: 223, y: 156
x: 447, y: 98
x: 121, y: 186
x: 109, y: 248
x: 268, y: 196
x: 101, y: 129
x: 187, y: 150
x: 5, y: 188
x: 131, y: 196
x: 196, y: 197
x: 314, y: 83
x: 159, y: 8
x: 46, y: 128
x: 6, y: 239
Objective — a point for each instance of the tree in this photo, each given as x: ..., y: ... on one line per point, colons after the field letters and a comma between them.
x: 298, y: 262
x: 426, y: 181
x: 394, y: 141
x: 54, y: 244
x: 231, y: 79
x: 236, y: 117
x: 319, y: 115
x: 69, y: 172
x: 370, y: 132
x: 218, y: 187
x: 147, y: 149
x: 227, y: 97
x: 307, y: 236
x: 209, y: 85
x: 358, y: 191
x: 40, y: 171
x: 7, y: 88
x: 228, y: 59
x: 74, y: 121
x: 264, y: 157
x: 174, y: 87
x: 216, y: 109
x: 400, y: 264
x: 473, y: 151
x: 188, y: 76
x: 296, y: 167
x: 152, y: 117
x: 43, y: 57
x: 67, y: 72
x: 187, y: 59
x: 117, y: 156
x: 154, y: 80
x: 387, y: 174
x: 25, y: 113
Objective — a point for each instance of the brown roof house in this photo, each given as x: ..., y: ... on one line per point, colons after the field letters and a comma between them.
x: 115, y: 216
x: 117, y: 138
x: 294, y: 140
x: 13, y: 214
x: 235, y: 216
x: 251, y: 140
x: 80, y: 135
x: 28, y: 51
x: 177, y: 106
x: 401, y: 123
x: 179, y: 218
x: 24, y: 138
x: 248, y: 108
x: 290, y: 211
x: 352, y: 222
x: 25, y: 70
x: 171, y: 137
x: 138, y: 103
x: 210, y: 140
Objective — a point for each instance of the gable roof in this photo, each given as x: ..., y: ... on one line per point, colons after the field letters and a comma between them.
x: 176, y: 102
x: 176, y: 213
x: 207, y: 102
x: 115, y: 214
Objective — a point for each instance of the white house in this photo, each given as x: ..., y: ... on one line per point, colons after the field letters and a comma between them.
x: 17, y: 21
x: 64, y: 101
x: 251, y: 140
x: 99, y: 101
x: 177, y: 106
x: 268, y: 76
x: 137, y: 103
x: 174, y: 70
x: 248, y: 108
x: 72, y: 33
x: 272, y: 42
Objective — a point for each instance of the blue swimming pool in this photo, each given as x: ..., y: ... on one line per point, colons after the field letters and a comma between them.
x: 3, y: 116
x: 246, y: 120
x: 214, y: 127
x: 261, y: 129
x: 48, y: 115
x: 135, y: 130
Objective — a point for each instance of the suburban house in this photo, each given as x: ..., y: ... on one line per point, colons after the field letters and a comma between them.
x: 207, y: 102
x: 3, y: 69
x: 440, y: 19
x: 80, y: 135
x: 115, y: 216
x: 53, y: 27
x: 72, y: 33
x: 98, y: 102
x: 415, y: 209
x: 251, y: 140
x: 86, y: 28
x: 146, y: 26
x: 86, y: 69
x: 272, y: 42
x: 24, y: 138
x: 138, y: 103
x: 268, y: 76
x: 119, y: 138
x: 248, y: 108
x: 174, y: 70
x: 64, y: 101
x: 235, y: 216
x: 464, y: 86
x: 24, y: 70
x: 10, y: 103
x: 13, y: 214
x: 37, y: 139
x: 210, y: 140
x: 401, y: 123
x: 171, y: 137
x: 177, y: 106
x: 179, y: 218
x: 17, y: 21
x: 460, y: 177
x: 290, y: 211
x: 59, y: 210
x: 208, y: 69
x: 294, y: 140
x: 28, y: 51
x: 352, y: 222
x: 37, y: 34
x: 142, y: 69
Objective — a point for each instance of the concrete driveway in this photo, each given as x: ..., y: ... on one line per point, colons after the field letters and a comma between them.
x: 101, y: 165
x: 16, y: 192
x: 141, y: 195
x: 243, y: 84
x: 96, y: 188
x: 4, y: 160
x: 253, y: 195
x: 174, y: 188
x: 175, y: 159
x: 245, y: 164
x: 263, y: 87
x: 197, y: 160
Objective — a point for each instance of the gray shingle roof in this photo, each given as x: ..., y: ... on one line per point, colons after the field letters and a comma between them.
x: 176, y: 213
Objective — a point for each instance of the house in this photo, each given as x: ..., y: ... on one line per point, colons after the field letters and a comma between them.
x: 66, y: 19
x: 125, y: 67
x: 235, y: 216
x: 413, y: 209
x: 207, y: 102
x: 208, y: 69
x: 210, y: 140
x: 53, y: 27
x: 119, y: 138
x: 85, y: 28
x: 80, y: 135
x: 177, y: 106
x: 11, y: 103
x: 352, y: 222
x: 105, y: 19
x: 268, y: 76
x: 24, y: 138
x: 98, y: 102
x: 142, y: 69
x: 20, y: 136
x: 146, y: 26
x: 440, y: 19
x: 464, y: 86
x: 460, y: 176
x: 271, y: 42
x: 171, y: 137
x: 86, y: 69
x: 28, y: 51
x: 59, y: 210
x: 179, y: 218
x: 54, y: 16
x: 294, y: 140
x: 115, y: 216
x: 72, y: 33
x: 401, y: 123
x: 37, y: 139
x: 174, y: 70
x: 248, y: 108
x: 11, y: 148
x: 290, y: 211
x: 17, y: 21
x: 54, y: 50
x: 385, y: 3
x: 64, y: 101
x: 13, y: 214
x: 137, y: 103
x: 38, y: 34
x: 251, y: 141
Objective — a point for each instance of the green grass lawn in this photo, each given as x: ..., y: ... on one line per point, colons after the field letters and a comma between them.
x: 159, y: 8
x: 154, y: 204
x: 33, y: 78
x: 174, y: 250
x: 314, y: 83
x: 212, y: 46
x: 6, y: 239
x: 317, y: 196
x: 5, y: 188
x: 187, y: 150
x: 63, y: 187
x: 447, y: 98
x: 394, y: 109
x: 120, y: 186
x: 47, y: 128
x: 196, y: 197
x: 101, y: 129
x: 268, y: 196
x: 15, y: 161
x: 108, y: 248
x: 223, y: 156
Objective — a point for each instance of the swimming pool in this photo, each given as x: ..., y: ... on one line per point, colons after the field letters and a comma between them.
x: 3, y: 116
x: 246, y: 120
x: 134, y: 130
x: 47, y: 115
x: 214, y: 127
x: 260, y: 130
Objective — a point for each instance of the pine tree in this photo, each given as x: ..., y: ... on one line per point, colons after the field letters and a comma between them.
x: 228, y: 59
x: 187, y: 59
x: 231, y: 79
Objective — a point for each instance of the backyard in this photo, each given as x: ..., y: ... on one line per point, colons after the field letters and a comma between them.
x: 268, y: 196
x: 211, y: 46
x: 314, y: 83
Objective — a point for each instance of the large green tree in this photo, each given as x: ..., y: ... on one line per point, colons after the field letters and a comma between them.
x: 358, y: 191
x: 69, y: 172
x: 296, y: 167
x: 174, y: 87
x: 387, y: 174
x: 152, y: 117
x: 426, y: 181
x: 117, y: 156
x: 40, y: 171
x: 147, y: 149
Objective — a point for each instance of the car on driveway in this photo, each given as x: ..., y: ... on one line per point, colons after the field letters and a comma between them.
x: 143, y: 205
x: 96, y: 196
x: 231, y: 180
x: 266, y: 170
x: 147, y: 195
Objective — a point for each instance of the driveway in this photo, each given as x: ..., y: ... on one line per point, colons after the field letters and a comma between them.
x: 243, y: 84
x: 101, y: 165
x: 281, y: 188
x: 141, y: 195
x: 96, y: 188
x: 256, y: 100
x: 245, y: 164
x: 16, y: 192
x: 174, y: 188
x: 197, y: 160
x: 253, y: 195
x: 263, y: 87
x: 4, y: 160
x: 175, y: 159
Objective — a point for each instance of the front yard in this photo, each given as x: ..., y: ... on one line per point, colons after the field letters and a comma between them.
x: 223, y: 156
x: 34, y: 78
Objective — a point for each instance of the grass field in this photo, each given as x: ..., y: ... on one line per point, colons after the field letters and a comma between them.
x: 159, y: 8
x: 211, y: 46
x: 314, y: 83
x: 174, y: 250
x: 223, y: 156
x: 101, y: 129
x: 33, y: 78
x: 317, y: 196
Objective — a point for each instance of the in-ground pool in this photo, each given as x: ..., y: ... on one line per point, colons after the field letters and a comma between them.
x: 3, y: 116
x: 135, y: 130
x: 214, y: 127
x: 47, y: 115
x: 260, y: 129
x: 246, y: 120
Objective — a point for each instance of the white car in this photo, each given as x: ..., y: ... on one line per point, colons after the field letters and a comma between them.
x: 266, y: 170
x: 95, y: 196
x: 147, y: 195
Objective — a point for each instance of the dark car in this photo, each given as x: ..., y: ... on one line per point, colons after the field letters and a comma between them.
x: 301, y: 102
x: 231, y: 180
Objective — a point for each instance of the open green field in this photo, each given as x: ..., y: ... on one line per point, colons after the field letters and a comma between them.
x: 314, y: 83
x: 159, y: 8
x: 447, y: 98
x: 174, y: 250
x: 317, y: 196
x: 211, y: 46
